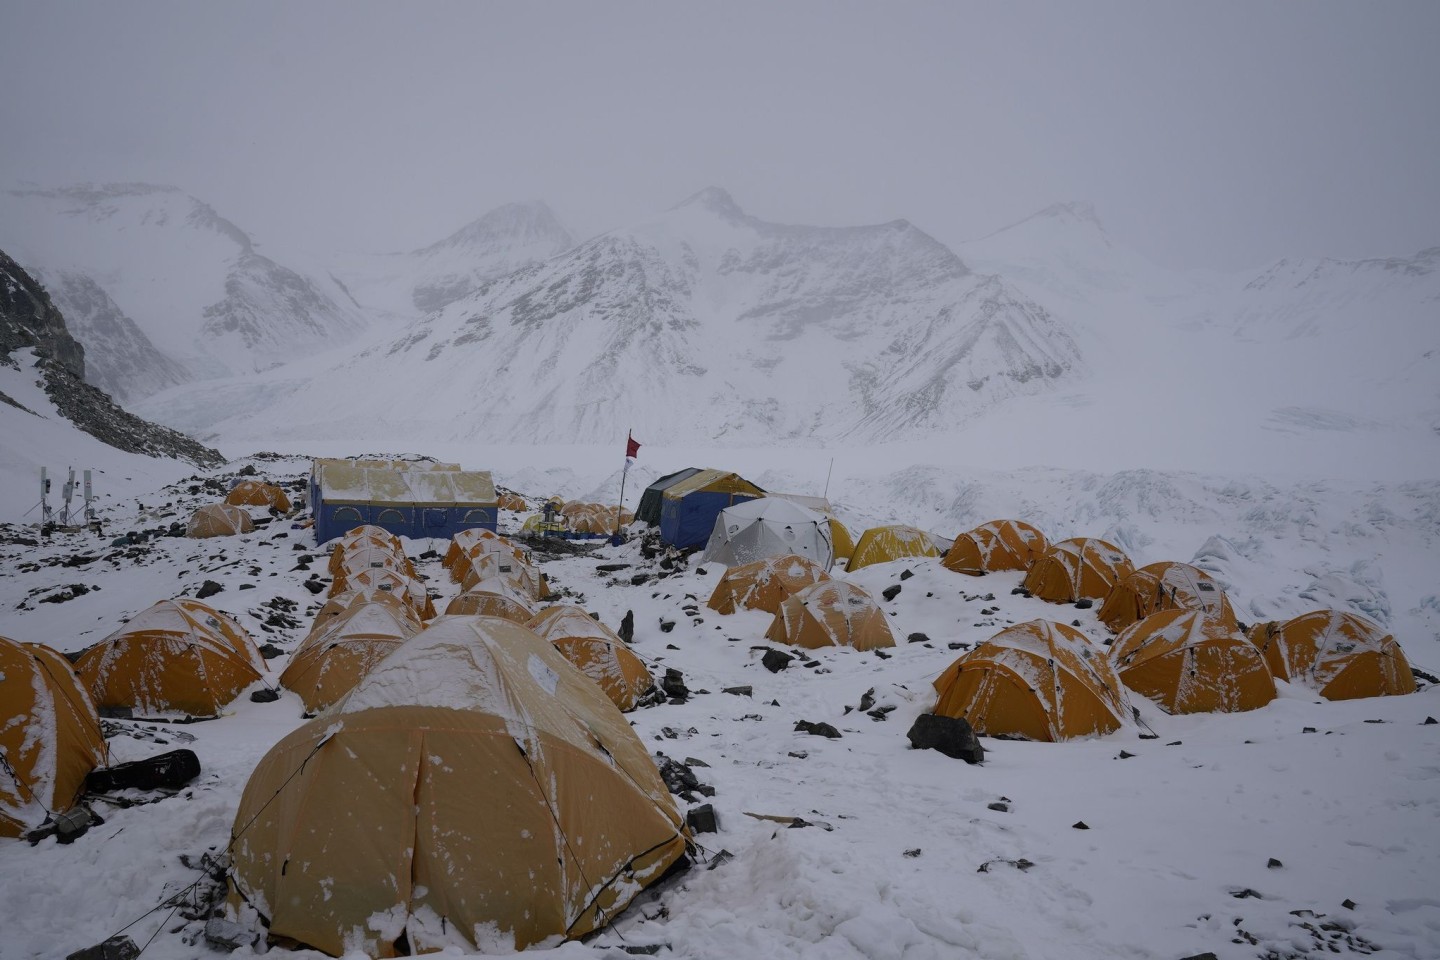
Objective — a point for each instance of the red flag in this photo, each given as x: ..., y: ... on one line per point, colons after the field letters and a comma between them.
x: 632, y: 447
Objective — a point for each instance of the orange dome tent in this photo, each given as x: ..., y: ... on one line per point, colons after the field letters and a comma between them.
x: 474, y: 790
x: 1342, y: 656
x: 1076, y: 569
x: 1036, y: 680
x: 764, y: 584
x: 370, y: 581
x: 254, y: 493
x: 1164, y: 586
x: 218, y: 520
x: 831, y: 613
x: 332, y: 660
x: 174, y: 657
x: 597, y: 651
x: 50, y: 736
x: 997, y: 545
x: 1190, y: 662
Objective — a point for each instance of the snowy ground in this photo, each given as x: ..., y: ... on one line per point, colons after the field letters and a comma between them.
x: 1346, y: 796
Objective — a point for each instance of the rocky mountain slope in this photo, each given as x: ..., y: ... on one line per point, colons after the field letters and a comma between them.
x: 31, y: 327
x: 203, y: 301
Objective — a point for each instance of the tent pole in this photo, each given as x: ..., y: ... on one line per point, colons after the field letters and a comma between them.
x: 623, y: 474
x: 826, y: 494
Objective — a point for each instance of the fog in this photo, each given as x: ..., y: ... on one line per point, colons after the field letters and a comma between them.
x: 1221, y: 135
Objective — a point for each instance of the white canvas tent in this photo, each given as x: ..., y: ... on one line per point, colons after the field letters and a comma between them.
x: 769, y: 527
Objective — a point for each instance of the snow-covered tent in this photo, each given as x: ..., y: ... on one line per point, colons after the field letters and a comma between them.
x: 599, y: 653
x: 1079, y: 568
x: 218, y: 520
x: 256, y: 493
x: 831, y: 613
x: 474, y: 790
x: 416, y: 500
x: 1189, y: 661
x: 330, y: 661
x: 764, y: 584
x: 769, y: 527
x: 1339, y: 655
x: 493, y: 598
x: 1037, y: 680
x: 689, y: 507
x: 49, y: 735
x: 1164, y: 586
x: 997, y: 545
x: 174, y: 657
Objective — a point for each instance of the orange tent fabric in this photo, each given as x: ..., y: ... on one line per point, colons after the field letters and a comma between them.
x: 332, y: 660
x: 1188, y: 661
x: 1164, y: 586
x: 879, y: 544
x: 481, y: 602
x: 334, y: 607
x: 50, y: 736
x: 997, y: 545
x: 512, y: 501
x: 764, y: 584
x: 372, y: 580
x: 502, y: 547
x: 365, y: 536
x: 599, y: 653
x: 463, y: 541
x: 474, y: 790
x: 1036, y: 680
x: 176, y: 657
x: 254, y: 493
x: 831, y: 613
x: 1080, y: 568
x: 218, y: 520
x: 1342, y: 656
x: 509, y: 567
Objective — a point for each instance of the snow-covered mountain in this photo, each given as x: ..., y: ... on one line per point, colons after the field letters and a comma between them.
x: 703, y: 321
x: 204, y: 301
x: 422, y: 281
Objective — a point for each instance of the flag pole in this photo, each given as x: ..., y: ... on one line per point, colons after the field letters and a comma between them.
x: 623, y: 474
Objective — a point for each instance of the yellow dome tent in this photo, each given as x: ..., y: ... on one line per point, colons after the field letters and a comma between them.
x: 1190, y: 662
x: 599, y: 653
x: 50, y: 736
x: 1076, y: 569
x: 255, y: 493
x: 332, y: 660
x: 831, y: 613
x: 879, y: 544
x: 475, y: 789
x: 492, y: 598
x: 1342, y: 656
x: 997, y: 545
x: 1036, y: 680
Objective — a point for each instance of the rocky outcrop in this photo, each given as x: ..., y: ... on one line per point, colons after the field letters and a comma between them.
x: 29, y: 319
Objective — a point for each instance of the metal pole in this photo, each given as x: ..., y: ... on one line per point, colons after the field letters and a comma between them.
x: 623, y: 474
x: 826, y: 494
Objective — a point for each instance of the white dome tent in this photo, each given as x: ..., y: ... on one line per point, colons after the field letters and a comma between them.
x: 769, y: 527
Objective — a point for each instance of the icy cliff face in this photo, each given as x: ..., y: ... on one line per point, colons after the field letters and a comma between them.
x: 191, y: 283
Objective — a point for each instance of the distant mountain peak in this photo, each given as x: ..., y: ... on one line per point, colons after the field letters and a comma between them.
x: 715, y: 199
x: 520, y: 222
x: 1071, y: 212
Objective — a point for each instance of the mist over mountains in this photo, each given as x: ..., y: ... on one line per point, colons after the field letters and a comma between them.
x: 707, y: 324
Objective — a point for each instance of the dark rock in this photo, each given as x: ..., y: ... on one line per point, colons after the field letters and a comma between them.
x: 700, y: 570
x: 952, y: 736
x: 1084, y: 603
x: 247, y: 586
x: 208, y: 589
x: 118, y: 947
x: 1207, y: 955
x: 880, y: 713
x: 66, y: 593
x: 882, y: 654
x: 891, y: 592
x: 776, y: 660
x: 1246, y: 893
x: 611, y: 567
x: 79, y: 560
x: 912, y: 853
x: 917, y: 638
x: 998, y: 807
x: 1274, y: 864
x: 627, y: 626
x: 1125, y: 755
x: 817, y: 729
x: 430, y: 555
x: 702, y: 819
x: 1080, y: 825
x: 906, y: 574
x: 692, y: 762
x: 744, y: 691
x: 269, y: 651
x: 1348, y: 904
x: 1307, y: 729
x: 1429, y: 721
x: 1020, y: 591
x: 246, y: 471
x: 265, y: 695
x: 676, y: 775
x: 314, y: 586
x: 674, y: 684
x: 227, y: 935
x: 867, y: 700
x: 639, y: 579
x: 1022, y: 865
x: 798, y: 754
x: 667, y: 625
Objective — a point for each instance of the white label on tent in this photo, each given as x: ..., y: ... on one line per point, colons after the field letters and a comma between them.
x: 543, y: 675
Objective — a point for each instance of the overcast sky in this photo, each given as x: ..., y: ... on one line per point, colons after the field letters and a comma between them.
x: 1211, y: 133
